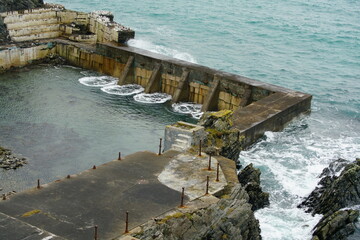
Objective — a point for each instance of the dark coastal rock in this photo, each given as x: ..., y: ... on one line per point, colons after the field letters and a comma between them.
x: 9, y: 161
x: 335, y: 192
x: 15, y: 5
x: 230, y: 218
x: 221, y: 137
x: 336, y: 226
x: 249, y: 177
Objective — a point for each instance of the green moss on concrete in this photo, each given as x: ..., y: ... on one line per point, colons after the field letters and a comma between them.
x: 31, y: 213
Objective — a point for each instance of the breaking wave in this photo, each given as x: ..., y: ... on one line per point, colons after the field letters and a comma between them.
x: 124, y: 90
x: 143, y: 44
x: 152, y: 97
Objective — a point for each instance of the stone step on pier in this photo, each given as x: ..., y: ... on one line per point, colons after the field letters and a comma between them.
x: 71, y: 207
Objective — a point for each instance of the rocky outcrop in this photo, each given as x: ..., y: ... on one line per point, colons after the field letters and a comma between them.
x: 9, y: 161
x: 334, y: 193
x: 221, y: 137
x: 336, y: 226
x: 249, y: 177
x: 230, y: 218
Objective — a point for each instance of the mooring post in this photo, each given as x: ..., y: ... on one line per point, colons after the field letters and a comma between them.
x: 4, y: 196
x: 127, y: 222
x: 217, y: 172
x: 207, y: 185
x: 200, y: 148
x: 68, y: 176
x: 94, y: 167
x: 182, y: 197
x: 119, y: 158
x: 160, y: 146
x: 38, y: 183
x: 209, y: 167
x: 95, y: 232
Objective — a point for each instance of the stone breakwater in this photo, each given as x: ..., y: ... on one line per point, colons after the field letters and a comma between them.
x: 9, y: 161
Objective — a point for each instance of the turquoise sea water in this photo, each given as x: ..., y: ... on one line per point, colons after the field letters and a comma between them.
x: 311, y: 46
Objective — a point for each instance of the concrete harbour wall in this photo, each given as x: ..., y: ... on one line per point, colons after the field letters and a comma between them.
x: 258, y: 107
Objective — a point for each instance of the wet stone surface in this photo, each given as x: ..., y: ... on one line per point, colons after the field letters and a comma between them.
x: 9, y: 161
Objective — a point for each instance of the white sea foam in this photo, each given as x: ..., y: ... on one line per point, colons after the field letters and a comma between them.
x: 100, y: 81
x: 281, y: 223
x: 188, y: 108
x: 144, y: 44
x: 291, y: 162
x: 124, y: 90
x: 152, y: 97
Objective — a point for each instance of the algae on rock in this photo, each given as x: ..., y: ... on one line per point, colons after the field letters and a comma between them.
x: 221, y: 138
x: 230, y: 218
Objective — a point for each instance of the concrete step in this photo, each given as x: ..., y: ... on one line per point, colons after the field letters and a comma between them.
x: 52, y: 34
x: 177, y: 147
x: 34, y: 30
x: 29, y: 17
x: 183, y: 141
x: 184, y: 136
x: 32, y: 23
x: 29, y: 11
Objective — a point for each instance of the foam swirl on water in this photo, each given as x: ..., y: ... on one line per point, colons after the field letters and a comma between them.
x: 99, y: 81
x: 152, y: 97
x: 188, y: 108
x: 124, y: 90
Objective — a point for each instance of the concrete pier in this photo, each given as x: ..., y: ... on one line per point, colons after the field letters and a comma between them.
x: 69, y: 208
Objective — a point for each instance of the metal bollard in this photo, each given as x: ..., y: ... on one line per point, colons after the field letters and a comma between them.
x: 217, y: 172
x: 38, y: 183
x: 209, y: 167
x: 95, y: 232
x: 200, y: 148
x: 119, y: 158
x: 182, y: 197
x: 127, y: 222
x: 160, y: 146
x: 207, y: 185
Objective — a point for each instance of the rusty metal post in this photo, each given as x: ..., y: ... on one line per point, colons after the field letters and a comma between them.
x: 209, y: 167
x: 119, y: 158
x: 160, y: 146
x: 127, y: 222
x: 207, y: 185
x: 96, y: 232
x: 4, y: 196
x: 94, y: 167
x: 200, y: 148
x: 68, y: 176
x: 217, y: 172
x: 38, y: 183
x: 182, y: 197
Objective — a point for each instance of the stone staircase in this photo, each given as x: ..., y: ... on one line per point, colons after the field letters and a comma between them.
x: 32, y: 25
x: 182, y: 142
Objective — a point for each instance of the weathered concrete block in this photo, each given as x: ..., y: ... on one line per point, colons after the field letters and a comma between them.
x: 183, y: 135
